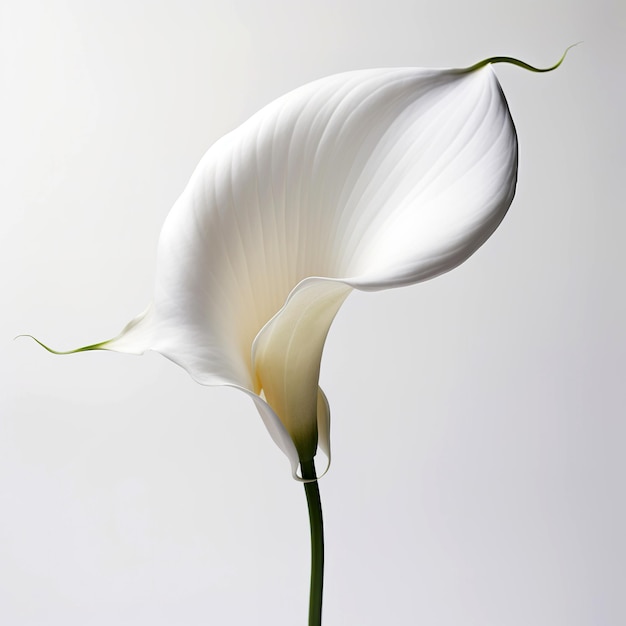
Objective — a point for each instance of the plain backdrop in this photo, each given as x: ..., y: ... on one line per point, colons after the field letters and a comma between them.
x: 478, y: 434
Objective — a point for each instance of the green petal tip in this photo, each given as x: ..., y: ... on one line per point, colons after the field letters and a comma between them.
x: 95, y: 346
x: 522, y: 64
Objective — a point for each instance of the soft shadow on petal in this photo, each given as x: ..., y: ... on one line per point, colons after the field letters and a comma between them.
x: 436, y: 192
x: 277, y: 431
x: 286, y: 357
x: 323, y: 428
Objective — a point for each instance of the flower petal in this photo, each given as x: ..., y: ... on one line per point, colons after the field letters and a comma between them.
x: 379, y: 177
x: 436, y: 186
x: 323, y: 427
x: 286, y: 357
x: 370, y: 179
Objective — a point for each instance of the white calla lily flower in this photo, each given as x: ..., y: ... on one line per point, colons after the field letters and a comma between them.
x: 364, y: 180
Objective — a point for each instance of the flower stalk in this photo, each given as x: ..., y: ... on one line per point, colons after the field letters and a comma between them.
x: 312, y: 491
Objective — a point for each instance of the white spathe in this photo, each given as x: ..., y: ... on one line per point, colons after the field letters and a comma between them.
x: 369, y: 180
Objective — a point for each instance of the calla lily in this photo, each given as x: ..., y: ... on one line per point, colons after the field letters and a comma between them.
x: 364, y: 180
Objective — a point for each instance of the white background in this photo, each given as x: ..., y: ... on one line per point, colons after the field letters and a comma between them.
x: 479, y: 474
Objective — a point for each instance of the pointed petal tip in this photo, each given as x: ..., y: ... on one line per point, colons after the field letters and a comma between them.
x: 93, y: 346
x: 518, y: 63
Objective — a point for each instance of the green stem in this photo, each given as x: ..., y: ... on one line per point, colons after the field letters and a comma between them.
x: 317, y: 542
